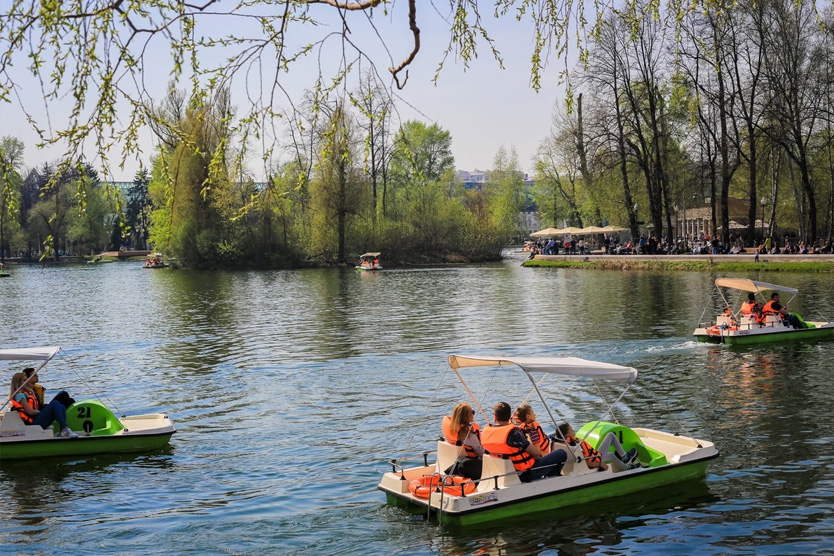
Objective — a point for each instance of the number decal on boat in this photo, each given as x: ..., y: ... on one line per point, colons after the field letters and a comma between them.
x: 83, y: 412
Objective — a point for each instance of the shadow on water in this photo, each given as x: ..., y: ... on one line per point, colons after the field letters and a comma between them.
x: 33, y: 490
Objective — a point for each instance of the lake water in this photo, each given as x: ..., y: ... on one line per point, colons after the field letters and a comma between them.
x: 290, y: 390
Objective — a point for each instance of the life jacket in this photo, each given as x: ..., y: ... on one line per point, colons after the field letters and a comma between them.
x: 452, y: 436
x: 769, y: 310
x: 747, y: 308
x: 33, y: 403
x: 588, y: 451
x: 537, y: 436
x: 494, y: 439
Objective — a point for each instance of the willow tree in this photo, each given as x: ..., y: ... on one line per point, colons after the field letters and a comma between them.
x: 11, y: 157
x: 191, y: 183
x: 336, y: 187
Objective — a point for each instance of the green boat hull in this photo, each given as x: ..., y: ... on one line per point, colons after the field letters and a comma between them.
x: 628, y: 484
x: 789, y: 335
x: 83, y: 446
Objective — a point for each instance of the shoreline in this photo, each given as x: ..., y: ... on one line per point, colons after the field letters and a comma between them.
x: 720, y: 263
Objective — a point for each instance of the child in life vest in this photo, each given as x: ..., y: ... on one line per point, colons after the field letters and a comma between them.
x: 525, y: 419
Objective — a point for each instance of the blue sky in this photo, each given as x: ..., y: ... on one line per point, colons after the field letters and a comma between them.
x: 484, y: 107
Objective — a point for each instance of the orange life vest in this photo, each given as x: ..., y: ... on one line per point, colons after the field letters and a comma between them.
x: 33, y: 403
x: 452, y: 436
x: 769, y: 310
x: 537, y: 436
x: 494, y: 439
x: 748, y: 308
x: 588, y: 451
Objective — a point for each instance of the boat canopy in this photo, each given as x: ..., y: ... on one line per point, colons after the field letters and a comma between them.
x: 29, y: 354
x: 751, y: 285
x: 573, y: 366
x: 370, y: 255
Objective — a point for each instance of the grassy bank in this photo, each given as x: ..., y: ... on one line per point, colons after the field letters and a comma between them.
x: 712, y: 266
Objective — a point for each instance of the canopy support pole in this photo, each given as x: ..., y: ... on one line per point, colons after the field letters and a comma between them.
x: 471, y: 395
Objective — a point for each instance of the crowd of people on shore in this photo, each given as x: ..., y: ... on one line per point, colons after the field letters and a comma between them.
x: 698, y: 244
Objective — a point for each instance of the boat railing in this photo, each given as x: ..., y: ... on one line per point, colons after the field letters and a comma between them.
x: 396, y: 463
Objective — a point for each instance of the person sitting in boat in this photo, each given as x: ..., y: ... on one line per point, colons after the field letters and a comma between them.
x: 503, y: 439
x: 728, y: 312
x: 773, y: 307
x: 461, y: 430
x: 25, y: 402
x: 525, y: 418
x: 597, y: 459
x: 32, y: 380
x: 753, y: 308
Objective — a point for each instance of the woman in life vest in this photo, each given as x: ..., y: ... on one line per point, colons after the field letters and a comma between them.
x: 525, y: 418
x: 461, y: 430
x: 619, y: 459
x: 25, y: 402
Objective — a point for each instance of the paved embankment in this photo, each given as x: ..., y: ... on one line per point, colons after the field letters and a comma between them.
x: 726, y: 263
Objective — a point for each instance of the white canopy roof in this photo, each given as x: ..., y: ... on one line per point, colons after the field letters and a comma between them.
x: 573, y: 366
x: 751, y: 285
x: 29, y: 354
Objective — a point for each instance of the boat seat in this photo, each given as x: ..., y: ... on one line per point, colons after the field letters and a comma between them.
x: 11, y: 421
x: 724, y: 320
x: 773, y: 320
x: 447, y: 454
x: 503, y: 468
x: 575, y: 468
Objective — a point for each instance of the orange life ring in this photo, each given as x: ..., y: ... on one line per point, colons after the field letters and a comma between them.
x: 716, y: 330
x: 423, y: 487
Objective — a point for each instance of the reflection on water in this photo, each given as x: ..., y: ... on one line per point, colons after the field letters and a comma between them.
x: 290, y: 390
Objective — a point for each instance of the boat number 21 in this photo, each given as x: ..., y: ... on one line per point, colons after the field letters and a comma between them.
x: 84, y: 413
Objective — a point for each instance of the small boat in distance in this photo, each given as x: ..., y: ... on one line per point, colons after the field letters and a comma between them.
x: 369, y: 261
x: 155, y: 260
x: 499, y: 493
x: 3, y: 273
x: 99, y: 259
x: 99, y: 430
x: 739, y: 329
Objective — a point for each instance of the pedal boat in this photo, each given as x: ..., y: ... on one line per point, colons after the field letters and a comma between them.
x: 666, y: 458
x: 155, y: 260
x: 366, y: 262
x: 737, y: 329
x: 99, y: 430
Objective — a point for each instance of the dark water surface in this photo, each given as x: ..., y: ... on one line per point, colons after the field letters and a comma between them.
x: 291, y: 389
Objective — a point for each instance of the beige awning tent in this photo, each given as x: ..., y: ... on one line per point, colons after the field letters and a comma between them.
x: 552, y: 232
x: 547, y: 232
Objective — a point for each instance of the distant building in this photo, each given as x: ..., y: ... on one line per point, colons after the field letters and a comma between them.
x: 473, y: 180
x: 697, y: 220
